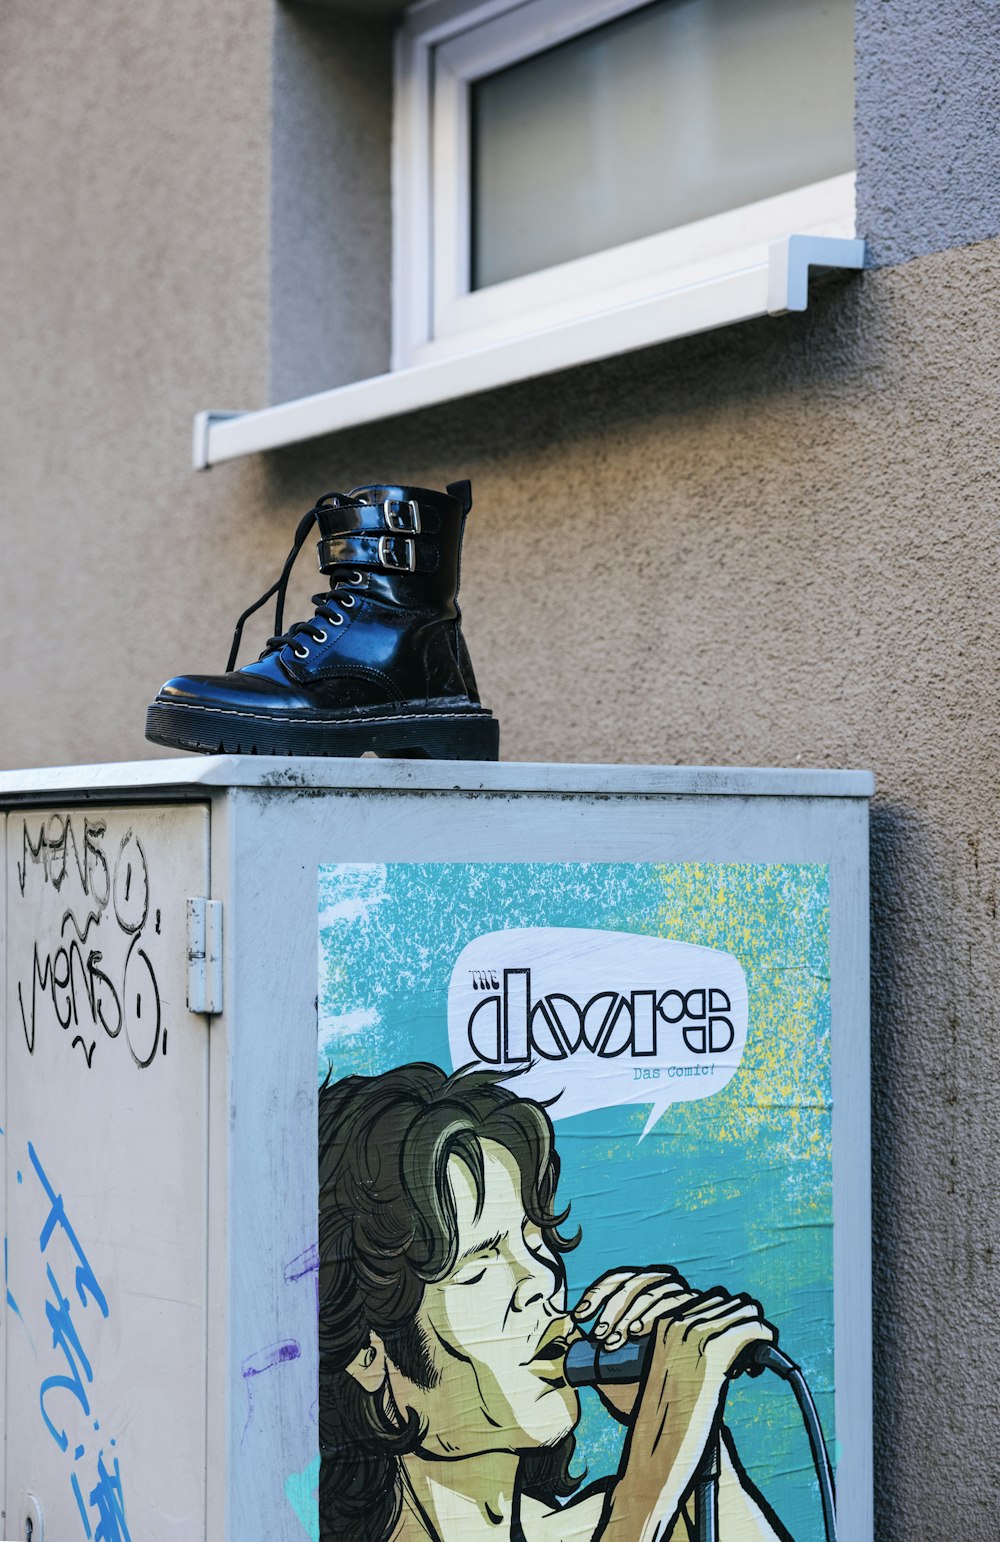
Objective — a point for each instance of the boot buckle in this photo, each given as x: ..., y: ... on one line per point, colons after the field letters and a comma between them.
x: 395, y: 509
x: 387, y: 554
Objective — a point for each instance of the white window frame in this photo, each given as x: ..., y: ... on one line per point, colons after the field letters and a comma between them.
x: 442, y: 47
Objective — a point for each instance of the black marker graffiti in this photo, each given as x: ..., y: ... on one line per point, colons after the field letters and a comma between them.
x: 120, y: 1001
x: 56, y: 839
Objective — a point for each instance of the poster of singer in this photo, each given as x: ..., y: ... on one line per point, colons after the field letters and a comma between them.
x: 575, y: 1214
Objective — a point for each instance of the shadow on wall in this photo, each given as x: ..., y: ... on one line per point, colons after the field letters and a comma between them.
x: 745, y: 369
x: 895, y: 848
x: 928, y: 1248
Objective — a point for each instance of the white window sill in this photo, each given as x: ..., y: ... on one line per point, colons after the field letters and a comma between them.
x: 770, y: 287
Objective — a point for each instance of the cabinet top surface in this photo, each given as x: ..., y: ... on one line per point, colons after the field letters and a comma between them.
x: 201, y: 777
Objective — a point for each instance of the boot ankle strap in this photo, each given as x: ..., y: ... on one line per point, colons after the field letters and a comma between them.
x: 391, y: 553
x: 393, y: 516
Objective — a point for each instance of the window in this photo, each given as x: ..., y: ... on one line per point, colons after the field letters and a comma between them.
x: 558, y: 159
x: 571, y: 180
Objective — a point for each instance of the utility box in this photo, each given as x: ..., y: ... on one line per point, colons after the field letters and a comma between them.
x: 191, y: 947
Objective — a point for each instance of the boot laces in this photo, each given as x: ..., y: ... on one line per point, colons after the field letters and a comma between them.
x: 326, y: 604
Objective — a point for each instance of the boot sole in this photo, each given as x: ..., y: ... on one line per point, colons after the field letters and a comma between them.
x: 448, y: 734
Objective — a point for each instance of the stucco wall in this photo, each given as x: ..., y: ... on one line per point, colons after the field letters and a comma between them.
x: 134, y: 186
x: 331, y: 232
x: 774, y: 544
x: 927, y: 88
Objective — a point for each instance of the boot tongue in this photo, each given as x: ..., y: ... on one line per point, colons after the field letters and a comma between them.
x: 396, y: 492
x: 378, y: 492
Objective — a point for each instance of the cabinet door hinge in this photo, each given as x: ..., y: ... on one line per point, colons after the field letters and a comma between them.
x: 204, y: 955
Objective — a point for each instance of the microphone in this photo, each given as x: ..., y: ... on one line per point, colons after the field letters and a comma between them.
x: 589, y: 1364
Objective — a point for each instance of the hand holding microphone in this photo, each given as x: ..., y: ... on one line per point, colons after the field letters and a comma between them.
x: 651, y: 1321
x: 589, y: 1365
x: 661, y: 1356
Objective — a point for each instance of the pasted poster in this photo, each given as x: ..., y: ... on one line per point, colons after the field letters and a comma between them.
x: 575, y: 1188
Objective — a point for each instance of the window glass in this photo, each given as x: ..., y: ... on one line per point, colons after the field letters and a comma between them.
x: 671, y: 113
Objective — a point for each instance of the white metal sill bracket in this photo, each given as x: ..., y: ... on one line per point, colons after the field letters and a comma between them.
x: 769, y: 288
x: 204, y: 422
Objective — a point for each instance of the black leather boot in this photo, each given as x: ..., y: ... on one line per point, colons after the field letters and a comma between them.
x: 381, y: 667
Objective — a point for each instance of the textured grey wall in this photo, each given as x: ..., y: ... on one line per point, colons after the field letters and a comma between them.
x: 928, y: 125
x: 774, y: 544
x: 134, y: 185
x: 331, y: 236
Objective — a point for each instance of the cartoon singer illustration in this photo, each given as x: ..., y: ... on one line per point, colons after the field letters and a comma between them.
x: 446, y: 1414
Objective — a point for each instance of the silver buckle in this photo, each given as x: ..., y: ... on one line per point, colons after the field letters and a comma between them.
x: 393, y: 509
x: 409, y: 566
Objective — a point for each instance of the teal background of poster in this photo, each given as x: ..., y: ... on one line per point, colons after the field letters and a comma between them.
x: 734, y: 1189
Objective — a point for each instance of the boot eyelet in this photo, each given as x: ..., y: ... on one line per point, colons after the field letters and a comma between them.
x: 347, y: 600
x: 300, y: 653
x: 357, y: 578
x: 320, y: 636
x: 337, y: 620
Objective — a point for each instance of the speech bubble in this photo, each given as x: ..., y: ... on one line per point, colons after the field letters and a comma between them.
x: 598, y: 1017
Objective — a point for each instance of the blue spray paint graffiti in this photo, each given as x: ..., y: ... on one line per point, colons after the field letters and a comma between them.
x: 106, y: 1498
x: 66, y: 1392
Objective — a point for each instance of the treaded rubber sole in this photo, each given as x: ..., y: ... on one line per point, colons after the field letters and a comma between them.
x: 447, y: 734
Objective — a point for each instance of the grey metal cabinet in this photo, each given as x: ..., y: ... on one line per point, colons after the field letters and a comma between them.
x: 158, y: 1351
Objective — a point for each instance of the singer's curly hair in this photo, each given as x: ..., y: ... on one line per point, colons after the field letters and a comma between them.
x: 387, y: 1227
